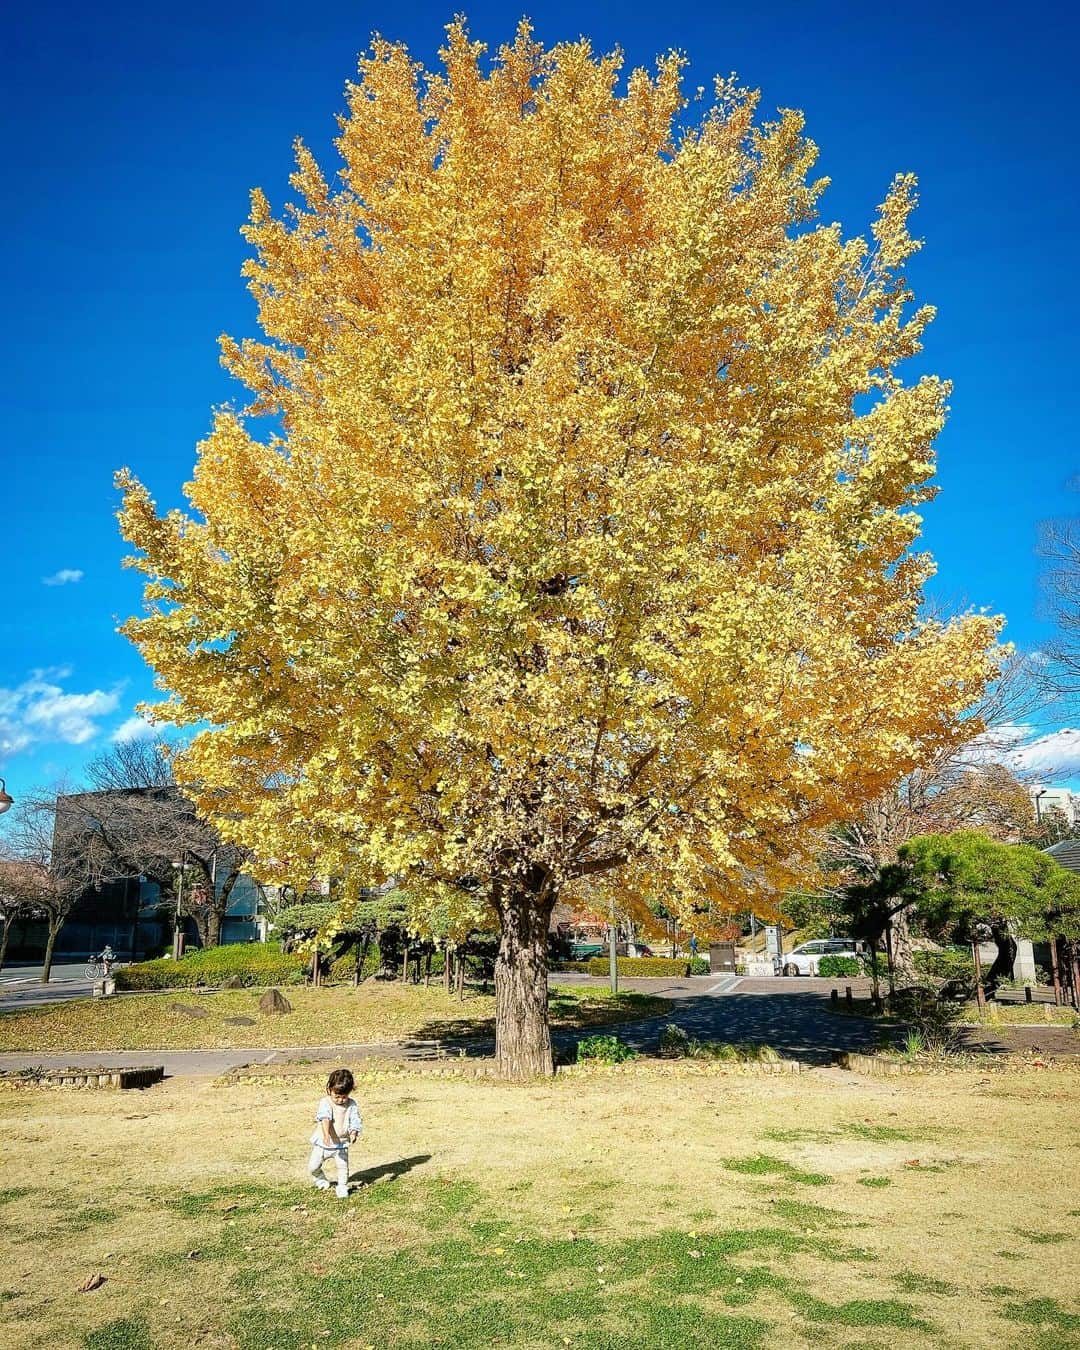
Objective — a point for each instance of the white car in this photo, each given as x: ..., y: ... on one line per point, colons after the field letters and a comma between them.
x: 806, y: 959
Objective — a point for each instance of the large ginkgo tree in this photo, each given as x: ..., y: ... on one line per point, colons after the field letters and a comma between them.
x: 565, y: 543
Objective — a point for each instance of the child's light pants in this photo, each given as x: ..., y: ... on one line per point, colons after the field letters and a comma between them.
x: 319, y: 1155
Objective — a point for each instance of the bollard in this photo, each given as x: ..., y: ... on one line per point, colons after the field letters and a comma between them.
x: 1027, y: 993
x: 834, y: 995
x: 847, y: 996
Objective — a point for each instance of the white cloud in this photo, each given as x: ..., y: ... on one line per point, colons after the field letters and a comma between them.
x: 39, y: 712
x: 65, y: 576
x: 1051, y: 755
x: 1056, y: 755
x: 134, y: 729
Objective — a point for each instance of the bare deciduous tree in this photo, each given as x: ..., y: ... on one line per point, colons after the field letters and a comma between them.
x: 41, y: 879
x: 1059, y: 544
x: 13, y: 902
x: 151, y: 827
x: 967, y: 788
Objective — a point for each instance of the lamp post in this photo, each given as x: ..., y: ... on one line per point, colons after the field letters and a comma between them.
x: 7, y: 801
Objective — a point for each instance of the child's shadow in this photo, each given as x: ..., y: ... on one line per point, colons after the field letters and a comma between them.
x: 390, y: 1171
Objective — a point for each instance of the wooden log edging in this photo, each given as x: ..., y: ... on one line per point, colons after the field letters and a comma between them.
x: 873, y: 1065
x: 101, y: 1077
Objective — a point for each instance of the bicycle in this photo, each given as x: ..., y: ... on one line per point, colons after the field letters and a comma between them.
x: 100, y: 967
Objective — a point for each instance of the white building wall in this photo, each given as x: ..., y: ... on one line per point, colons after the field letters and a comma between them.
x: 1044, y: 798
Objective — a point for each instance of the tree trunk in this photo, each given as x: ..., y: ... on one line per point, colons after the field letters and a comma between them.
x: 522, y: 1033
x: 54, y: 929
x: 876, y: 982
x: 1002, y: 968
x: 361, y: 956
x: 219, y: 901
x: 212, y: 936
x: 4, y: 940
x: 903, y: 954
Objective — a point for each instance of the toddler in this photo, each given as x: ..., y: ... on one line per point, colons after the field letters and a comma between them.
x: 337, y: 1125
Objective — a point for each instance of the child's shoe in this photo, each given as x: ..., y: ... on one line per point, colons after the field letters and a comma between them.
x: 342, y: 1192
x: 321, y: 1183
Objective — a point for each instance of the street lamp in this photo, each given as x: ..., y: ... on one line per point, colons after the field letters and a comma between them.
x: 7, y: 801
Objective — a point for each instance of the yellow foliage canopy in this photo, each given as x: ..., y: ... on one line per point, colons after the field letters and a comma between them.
x: 578, y: 554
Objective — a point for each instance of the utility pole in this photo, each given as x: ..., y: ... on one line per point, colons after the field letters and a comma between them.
x: 178, y: 932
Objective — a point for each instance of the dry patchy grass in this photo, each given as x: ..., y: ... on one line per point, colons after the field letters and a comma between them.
x: 1019, y: 1015
x: 596, y: 1212
x: 376, y: 1011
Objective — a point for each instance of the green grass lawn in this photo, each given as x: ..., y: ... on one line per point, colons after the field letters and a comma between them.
x: 638, y: 1211
x: 377, y: 1011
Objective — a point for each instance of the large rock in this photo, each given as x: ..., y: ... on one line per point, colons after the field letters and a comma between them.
x: 187, y: 1010
x: 274, y: 1002
x: 233, y: 982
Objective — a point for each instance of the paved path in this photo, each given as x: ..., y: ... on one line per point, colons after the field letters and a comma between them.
x: 792, y: 1015
x: 797, y: 1023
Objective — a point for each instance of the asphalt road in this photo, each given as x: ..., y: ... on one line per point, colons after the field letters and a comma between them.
x: 21, y: 987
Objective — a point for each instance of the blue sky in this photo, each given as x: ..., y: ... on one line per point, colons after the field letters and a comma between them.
x: 134, y: 133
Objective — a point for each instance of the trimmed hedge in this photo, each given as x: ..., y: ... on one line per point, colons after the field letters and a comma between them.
x: 832, y: 966
x: 945, y: 964
x: 256, y: 963
x: 642, y: 966
x: 305, y: 918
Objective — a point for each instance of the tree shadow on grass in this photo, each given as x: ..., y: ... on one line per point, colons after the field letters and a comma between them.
x: 388, y: 1171
x: 455, y: 1029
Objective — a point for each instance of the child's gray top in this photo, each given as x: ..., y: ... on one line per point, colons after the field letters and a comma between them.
x: 346, y: 1119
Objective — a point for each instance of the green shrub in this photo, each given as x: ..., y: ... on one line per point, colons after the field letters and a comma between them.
x: 604, y: 1049
x: 698, y: 966
x: 642, y: 966
x: 343, y: 968
x: 560, y: 967
x: 833, y: 966
x: 1042, y: 977
x: 735, y: 1052
x: 256, y: 963
x: 946, y: 963
x: 674, y: 1042
x: 932, y: 1022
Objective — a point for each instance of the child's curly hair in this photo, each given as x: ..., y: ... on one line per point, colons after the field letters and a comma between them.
x: 341, y: 1080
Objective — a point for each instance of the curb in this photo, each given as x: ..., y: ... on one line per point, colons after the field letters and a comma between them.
x: 101, y: 1077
